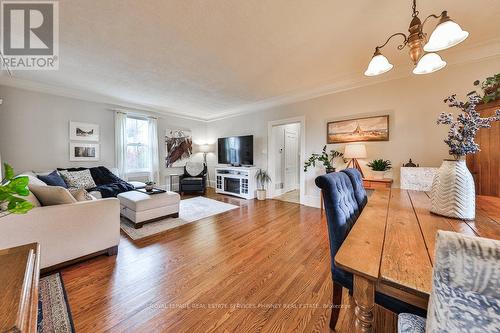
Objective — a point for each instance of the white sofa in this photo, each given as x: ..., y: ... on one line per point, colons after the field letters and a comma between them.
x: 66, y: 232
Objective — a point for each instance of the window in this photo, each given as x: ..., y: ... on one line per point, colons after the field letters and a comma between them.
x: 138, y: 146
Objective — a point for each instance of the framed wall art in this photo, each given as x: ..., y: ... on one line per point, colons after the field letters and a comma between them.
x: 83, y: 152
x: 358, y: 130
x: 83, y: 131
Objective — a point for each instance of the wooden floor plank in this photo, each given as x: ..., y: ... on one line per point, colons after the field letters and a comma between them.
x: 405, y: 260
x: 267, y: 253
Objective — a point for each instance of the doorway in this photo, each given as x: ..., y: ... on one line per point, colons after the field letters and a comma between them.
x: 285, y: 154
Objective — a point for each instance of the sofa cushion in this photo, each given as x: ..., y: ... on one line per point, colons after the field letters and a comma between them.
x: 78, y: 179
x: 52, y: 195
x: 33, y: 179
x: 80, y: 194
x: 53, y: 179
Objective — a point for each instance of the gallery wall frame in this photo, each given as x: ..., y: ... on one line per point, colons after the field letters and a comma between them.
x: 82, y: 152
x: 83, y: 131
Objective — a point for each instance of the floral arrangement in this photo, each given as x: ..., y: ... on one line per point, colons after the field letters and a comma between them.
x: 463, y: 130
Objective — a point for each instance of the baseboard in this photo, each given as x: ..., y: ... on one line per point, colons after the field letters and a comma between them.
x: 311, y: 201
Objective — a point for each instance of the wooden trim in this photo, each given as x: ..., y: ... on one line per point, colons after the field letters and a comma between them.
x: 110, y: 251
x: 418, y: 301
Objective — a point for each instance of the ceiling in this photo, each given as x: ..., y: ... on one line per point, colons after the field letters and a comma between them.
x: 206, y: 59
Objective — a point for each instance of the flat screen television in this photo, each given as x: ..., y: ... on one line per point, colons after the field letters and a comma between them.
x: 235, y: 150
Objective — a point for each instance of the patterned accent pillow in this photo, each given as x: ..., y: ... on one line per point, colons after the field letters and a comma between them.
x: 80, y: 194
x: 78, y: 179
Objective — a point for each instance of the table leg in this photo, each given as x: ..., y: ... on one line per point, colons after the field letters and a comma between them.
x: 364, y: 296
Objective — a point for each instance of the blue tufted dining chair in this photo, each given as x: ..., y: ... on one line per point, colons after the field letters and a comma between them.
x: 465, y: 294
x: 357, y: 185
x: 342, y: 211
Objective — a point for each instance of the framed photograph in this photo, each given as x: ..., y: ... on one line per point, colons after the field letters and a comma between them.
x: 83, y: 152
x: 359, y: 129
x: 178, y: 146
x: 83, y: 131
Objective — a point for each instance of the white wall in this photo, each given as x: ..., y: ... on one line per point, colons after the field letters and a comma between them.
x: 34, y: 130
x: 413, y: 104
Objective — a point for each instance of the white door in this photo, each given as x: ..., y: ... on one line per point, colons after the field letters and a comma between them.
x: 291, y: 161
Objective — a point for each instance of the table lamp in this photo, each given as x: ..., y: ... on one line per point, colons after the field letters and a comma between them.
x: 353, y: 152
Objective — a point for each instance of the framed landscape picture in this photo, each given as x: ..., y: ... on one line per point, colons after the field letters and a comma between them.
x: 83, y: 152
x: 360, y: 129
x: 83, y: 131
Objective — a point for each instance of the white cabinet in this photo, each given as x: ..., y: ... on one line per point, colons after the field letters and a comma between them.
x: 237, y: 181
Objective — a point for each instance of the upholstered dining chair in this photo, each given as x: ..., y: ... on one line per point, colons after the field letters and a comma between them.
x: 357, y: 185
x: 194, y: 178
x: 342, y: 211
x: 465, y: 294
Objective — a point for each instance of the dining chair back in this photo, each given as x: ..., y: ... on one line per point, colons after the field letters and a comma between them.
x: 357, y: 185
x: 465, y: 294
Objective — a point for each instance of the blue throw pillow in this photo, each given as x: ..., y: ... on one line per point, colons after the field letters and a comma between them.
x: 53, y: 179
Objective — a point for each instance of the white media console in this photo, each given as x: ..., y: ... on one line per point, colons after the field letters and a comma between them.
x: 237, y: 181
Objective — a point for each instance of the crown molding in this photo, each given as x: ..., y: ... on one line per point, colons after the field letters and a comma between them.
x: 473, y: 53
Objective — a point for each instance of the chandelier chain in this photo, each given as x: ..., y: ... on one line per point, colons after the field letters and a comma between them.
x: 414, y: 8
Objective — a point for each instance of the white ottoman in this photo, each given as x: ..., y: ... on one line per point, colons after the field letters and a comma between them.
x: 142, y: 208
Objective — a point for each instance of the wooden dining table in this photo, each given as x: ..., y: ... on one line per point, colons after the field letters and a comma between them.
x: 390, y: 249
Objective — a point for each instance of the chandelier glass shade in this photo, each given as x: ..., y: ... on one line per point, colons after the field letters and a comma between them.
x: 446, y: 34
x: 378, y: 65
x: 429, y: 63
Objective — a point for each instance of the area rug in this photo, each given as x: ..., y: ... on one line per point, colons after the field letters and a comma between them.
x: 54, y: 314
x: 190, y: 210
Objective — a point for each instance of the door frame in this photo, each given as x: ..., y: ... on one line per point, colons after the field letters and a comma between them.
x: 270, y: 153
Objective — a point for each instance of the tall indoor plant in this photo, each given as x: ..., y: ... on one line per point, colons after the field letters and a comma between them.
x: 327, y: 159
x: 453, y: 192
x: 263, y: 179
x: 11, y: 189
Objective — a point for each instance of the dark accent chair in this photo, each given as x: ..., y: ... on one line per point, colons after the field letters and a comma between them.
x: 342, y: 211
x: 358, y: 187
x: 189, y: 183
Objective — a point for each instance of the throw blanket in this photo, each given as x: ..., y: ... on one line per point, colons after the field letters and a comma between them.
x: 107, y: 183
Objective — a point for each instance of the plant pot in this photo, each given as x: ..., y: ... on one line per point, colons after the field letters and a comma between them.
x: 378, y: 174
x: 330, y: 170
x: 149, y: 188
x: 261, y: 194
x: 453, y: 194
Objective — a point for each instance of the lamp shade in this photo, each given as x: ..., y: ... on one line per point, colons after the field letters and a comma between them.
x: 378, y: 65
x: 429, y: 63
x: 203, y: 148
x: 357, y: 150
x: 446, y: 35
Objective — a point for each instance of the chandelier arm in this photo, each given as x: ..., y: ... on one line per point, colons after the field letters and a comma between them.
x: 443, y: 14
x: 400, y: 46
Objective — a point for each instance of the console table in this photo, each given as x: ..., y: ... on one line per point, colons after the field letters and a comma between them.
x: 19, y: 288
x: 237, y: 181
x: 372, y: 184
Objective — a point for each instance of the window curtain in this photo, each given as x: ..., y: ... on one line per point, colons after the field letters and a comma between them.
x: 154, y: 172
x: 121, y: 144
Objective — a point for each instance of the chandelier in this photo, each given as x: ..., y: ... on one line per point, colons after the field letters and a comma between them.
x: 422, y: 51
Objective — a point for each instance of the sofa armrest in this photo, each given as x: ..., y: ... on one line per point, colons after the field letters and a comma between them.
x: 65, y: 232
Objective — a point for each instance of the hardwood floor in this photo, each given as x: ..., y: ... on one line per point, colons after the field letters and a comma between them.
x: 264, y: 267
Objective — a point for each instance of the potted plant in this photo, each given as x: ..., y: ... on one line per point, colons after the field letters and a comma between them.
x: 263, y: 179
x: 11, y: 188
x: 328, y: 160
x: 150, y: 185
x: 379, y: 167
x: 490, y: 87
x: 453, y: 192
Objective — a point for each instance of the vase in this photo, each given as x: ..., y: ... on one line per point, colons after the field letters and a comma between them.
x: 453, y: 194
x: 378, y: 174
